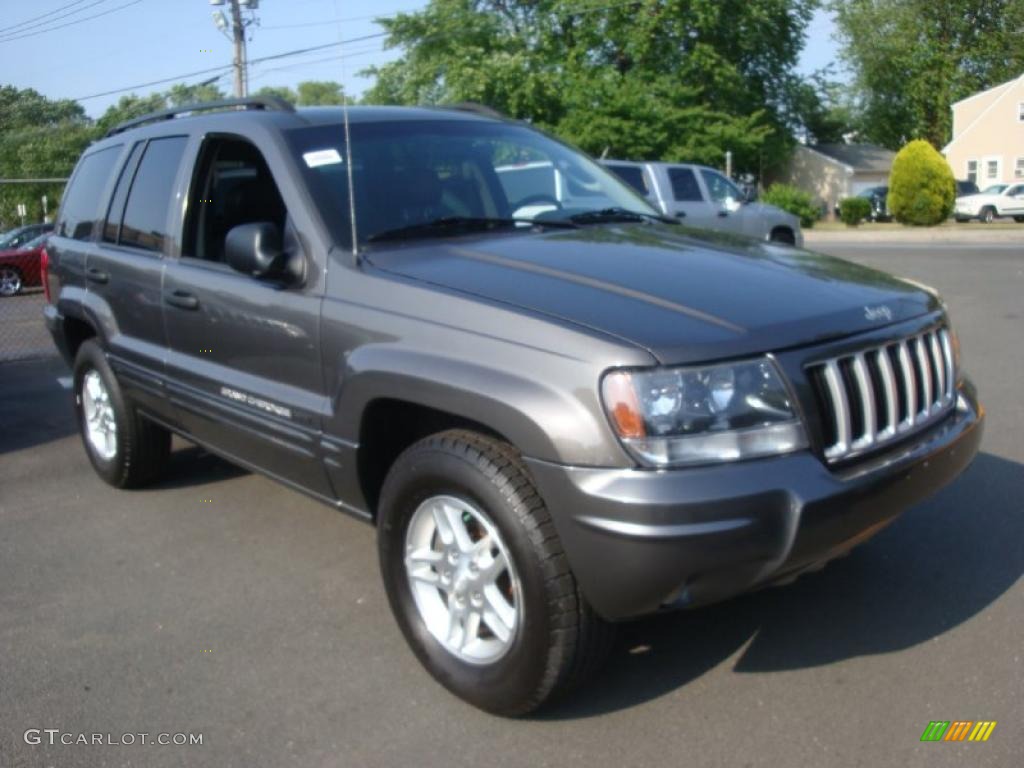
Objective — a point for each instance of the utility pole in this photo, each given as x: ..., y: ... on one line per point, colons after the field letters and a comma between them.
x: 238, y: 25
x: 241, y: 64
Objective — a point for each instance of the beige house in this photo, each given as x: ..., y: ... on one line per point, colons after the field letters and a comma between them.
x: 831, y: 172
x: 988, y: 136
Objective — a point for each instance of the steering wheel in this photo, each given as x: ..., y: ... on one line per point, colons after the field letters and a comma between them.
x: 538, y: 199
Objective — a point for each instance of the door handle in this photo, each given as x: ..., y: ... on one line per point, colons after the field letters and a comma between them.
x: 182, y: 300
x: 94, y: 275
x: 722, y: 214
x: 680, y: 214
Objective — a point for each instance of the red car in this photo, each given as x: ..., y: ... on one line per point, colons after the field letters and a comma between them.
x: 21, y: 267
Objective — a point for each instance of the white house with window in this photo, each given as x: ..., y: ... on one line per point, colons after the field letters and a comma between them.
x: 988, y: 136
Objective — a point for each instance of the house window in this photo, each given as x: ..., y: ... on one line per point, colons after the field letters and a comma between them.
x: 1018, y: 171
x: 972, y: 171
x: 993, y: 169
x: 1020, y: 112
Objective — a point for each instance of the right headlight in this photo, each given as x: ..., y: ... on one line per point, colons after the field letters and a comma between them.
x: 682, y: 416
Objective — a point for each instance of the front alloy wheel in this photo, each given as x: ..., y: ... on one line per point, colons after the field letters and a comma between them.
x: 462, y: 579
x: 10, y: 281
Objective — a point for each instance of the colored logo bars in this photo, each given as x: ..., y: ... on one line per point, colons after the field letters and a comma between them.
x: 958, y: 730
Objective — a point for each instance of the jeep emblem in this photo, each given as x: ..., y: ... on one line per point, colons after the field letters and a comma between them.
x: 880, y: 312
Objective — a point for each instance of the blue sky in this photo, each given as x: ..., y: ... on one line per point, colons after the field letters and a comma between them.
x: 139, y: 41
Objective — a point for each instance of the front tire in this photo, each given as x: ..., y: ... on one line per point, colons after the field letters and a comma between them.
x: 477, y: 578
x: 987, y: 215
x: 783, y: 235
x: 126, y: 450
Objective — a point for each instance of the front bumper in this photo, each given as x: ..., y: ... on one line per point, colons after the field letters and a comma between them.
x: 641, y: 540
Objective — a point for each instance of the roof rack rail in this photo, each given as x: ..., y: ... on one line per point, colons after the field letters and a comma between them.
x: 476, y: 108
x: 274, y: 103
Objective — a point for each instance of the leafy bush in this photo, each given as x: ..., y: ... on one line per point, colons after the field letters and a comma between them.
x: 921, y: 186
x: 793, y: 200
x: 853, y: 210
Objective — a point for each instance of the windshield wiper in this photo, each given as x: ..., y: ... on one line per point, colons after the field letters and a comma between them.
x: 449, y: 225
x: 607, y: 215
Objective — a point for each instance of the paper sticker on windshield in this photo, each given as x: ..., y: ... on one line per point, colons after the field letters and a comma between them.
x: 322, y: 157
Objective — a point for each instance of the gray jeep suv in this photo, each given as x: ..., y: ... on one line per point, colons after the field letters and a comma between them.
x: 558, y: 412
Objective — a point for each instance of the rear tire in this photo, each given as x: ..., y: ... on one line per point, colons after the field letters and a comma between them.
x: 125, y: 449
x: 783, y: 235
x: 556, y: 640
x: 1019, y: 219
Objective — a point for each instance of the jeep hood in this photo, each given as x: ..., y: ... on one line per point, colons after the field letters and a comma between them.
x: 684, y: 295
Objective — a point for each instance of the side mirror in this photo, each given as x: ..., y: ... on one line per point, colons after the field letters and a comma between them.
x: 255, y: 249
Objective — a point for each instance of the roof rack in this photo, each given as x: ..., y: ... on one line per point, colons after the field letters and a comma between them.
x: 476, y: 108
x: 274, y: 103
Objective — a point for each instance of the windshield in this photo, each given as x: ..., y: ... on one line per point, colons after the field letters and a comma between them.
x: 995, y: 189
x: 417, y: 172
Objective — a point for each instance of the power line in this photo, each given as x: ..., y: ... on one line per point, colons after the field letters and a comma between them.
x: 72, y: 23
x: 42, y: 16
x: 210, y: 70
x: 340, y: 21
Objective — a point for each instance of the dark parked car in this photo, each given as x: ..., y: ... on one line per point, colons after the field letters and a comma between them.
x: 20, y: 267
x: 964, y: 188
x: 559, y: 411
x: 878, y: 198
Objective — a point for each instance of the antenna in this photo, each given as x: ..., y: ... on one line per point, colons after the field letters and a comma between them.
x: 348, y: 144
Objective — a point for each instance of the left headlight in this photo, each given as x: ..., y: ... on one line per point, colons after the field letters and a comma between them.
x: 679, y: 416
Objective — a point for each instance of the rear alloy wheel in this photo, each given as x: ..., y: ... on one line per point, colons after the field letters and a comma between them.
x: 125, y: 449
x: 477, y: 578
x: 10, y: 281
x: 988, y: 214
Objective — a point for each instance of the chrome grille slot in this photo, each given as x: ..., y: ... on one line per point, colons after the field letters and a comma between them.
x: 876, y: 394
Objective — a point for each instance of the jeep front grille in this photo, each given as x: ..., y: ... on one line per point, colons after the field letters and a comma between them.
x: 882, y: 393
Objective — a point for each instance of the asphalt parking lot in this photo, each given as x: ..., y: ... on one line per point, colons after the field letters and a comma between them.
x: 223, y: 604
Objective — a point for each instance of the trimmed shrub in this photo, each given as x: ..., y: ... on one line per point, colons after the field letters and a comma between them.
x: 793, y: 200
x: 853, y: 210
x: 921, y: 186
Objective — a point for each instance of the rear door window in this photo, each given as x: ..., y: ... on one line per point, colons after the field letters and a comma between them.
x: 145, y: 215
x: 684, y: 185
x: 83, y: 201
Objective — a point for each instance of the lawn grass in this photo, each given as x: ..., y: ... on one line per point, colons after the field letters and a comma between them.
x: 891, y: 226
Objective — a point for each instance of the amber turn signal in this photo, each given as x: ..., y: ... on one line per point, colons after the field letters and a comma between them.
x: 621, y: 402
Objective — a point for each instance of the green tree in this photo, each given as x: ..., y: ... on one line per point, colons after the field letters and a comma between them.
x: 39, y: 138
x: 912, y: 59
x: 280, y: 91
x: 313, y: 93
x: 921, y: 185
x: 654, y: 79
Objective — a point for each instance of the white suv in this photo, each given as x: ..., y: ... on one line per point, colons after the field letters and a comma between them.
x: 992, y: 203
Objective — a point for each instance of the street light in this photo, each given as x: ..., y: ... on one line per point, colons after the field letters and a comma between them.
x: 220, y: 20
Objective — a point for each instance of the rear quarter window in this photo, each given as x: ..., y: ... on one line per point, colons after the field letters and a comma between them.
x: 83, y: 201
x: 631, y: 175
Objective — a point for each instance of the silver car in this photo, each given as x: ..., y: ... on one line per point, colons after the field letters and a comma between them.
x: 707, y: 199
